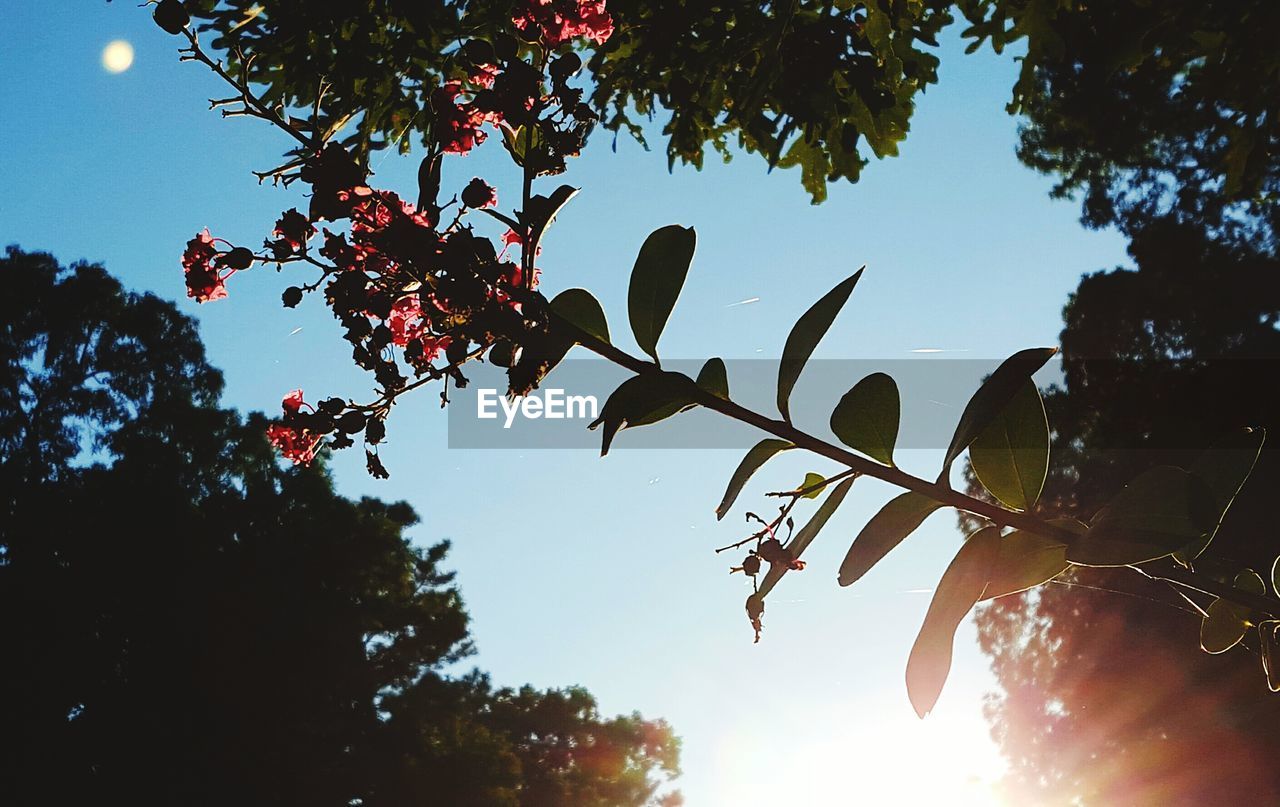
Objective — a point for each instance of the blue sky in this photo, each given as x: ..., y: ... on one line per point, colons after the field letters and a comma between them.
x: 577, y: 569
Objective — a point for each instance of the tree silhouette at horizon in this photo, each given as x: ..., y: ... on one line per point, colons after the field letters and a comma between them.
x: 186, y: 622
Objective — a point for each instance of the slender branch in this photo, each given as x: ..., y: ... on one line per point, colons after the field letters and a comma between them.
x: 253, y: 105
x: 815, y: 487
x: 526, y: 232
x: 937, y: 491
x: 941, y: 493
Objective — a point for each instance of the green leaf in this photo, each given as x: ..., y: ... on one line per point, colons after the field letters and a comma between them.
x: 1224, y: 467
x: 1269, y: 639
x: 583, y: 311
x: 640, y: 401
x: 1010, y: 456
x: 961, y: 587
x: 992, y: 397
x: 1163, y: 509
x: 1228, y: 622
x: 543, y: 211
x: 656, y: 280
x: 808, y: 532
x: 757, y: 456
x: 886, y: 529
x: 516, y: 140
x: 804, y: 337
x: 713, y: 378
x: 828, y: 507
x: 810, y: 481
x: 1275, y: 576
x: 866, y: 419
x: 1026, y: 560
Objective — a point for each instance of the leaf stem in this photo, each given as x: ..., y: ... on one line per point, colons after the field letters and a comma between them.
x: 942, y: 493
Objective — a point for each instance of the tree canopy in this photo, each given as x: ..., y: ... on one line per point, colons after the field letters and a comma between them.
x: 1148, y: 109
x: 185, y: 622
x: 1142, y: 109
x: 802, y: 84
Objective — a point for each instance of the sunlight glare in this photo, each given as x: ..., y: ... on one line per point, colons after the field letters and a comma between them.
x: 885, y: 761
x: 117, y: 56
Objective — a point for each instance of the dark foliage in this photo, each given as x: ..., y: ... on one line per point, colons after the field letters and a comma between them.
x: 184, y: 622
x: 1144, y: 109
x: 1149, y: 109
x: 1107, y: 697
x: 800, y: 83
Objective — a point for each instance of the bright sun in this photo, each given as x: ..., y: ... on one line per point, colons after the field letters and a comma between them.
x: 117, y: 56
x: 885, y: 761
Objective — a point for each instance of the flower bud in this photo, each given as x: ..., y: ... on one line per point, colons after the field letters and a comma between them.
x: 565, y: 66
x: 476, y: 52
x: 171, y: 16
x: 351, y: 423
x: 478, y: 194
x: 238, y: 258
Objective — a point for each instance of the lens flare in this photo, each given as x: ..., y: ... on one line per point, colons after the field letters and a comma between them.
x: 117, y: 56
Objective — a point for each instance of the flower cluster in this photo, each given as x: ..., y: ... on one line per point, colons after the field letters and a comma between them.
x: 420, y: 295
x: 458, y: 124
x: 768, y: 550
x: 294, y: 437
x: 555, y: 22
x: 207, y: 269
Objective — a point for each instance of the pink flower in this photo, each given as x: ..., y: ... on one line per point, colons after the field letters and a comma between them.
x: 292, y: 402
x: 297, y: 445
x: 204, y: 282
x: 433, y: 346
x: 406, y: 321
x: 558, y: 21
x: 294, y: 228
x: 484, y: 76
x: 457, y: 125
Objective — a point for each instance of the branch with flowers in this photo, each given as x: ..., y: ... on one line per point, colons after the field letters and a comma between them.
x: 421, y: 295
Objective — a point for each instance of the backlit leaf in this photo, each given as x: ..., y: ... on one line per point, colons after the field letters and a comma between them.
x: 866, y: 419
x: 1224, y: 467
x: 1161, y: 510
x: 543, y: 211
x: 1269, y: 641
x: 886, y: 529
x: 992, y: 397
x: 811, y: 480
x: 1025, y: 560
x: 1228, y: 622
x: 582, y: 310
x: 1010, y: 456
x: 757, y: 456
x: 656, y: 280
x: 640, y: 401
x: 961, y: 587
x: 804, y: 337
x: 714, y: 378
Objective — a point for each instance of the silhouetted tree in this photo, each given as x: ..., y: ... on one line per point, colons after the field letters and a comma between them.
x: 184, y: 622
x: 1145, y: 108
x: 1107, y: 698
x: 1149, y: 109
x: 818, y: 85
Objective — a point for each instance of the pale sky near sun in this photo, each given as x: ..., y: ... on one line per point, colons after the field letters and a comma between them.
x: 578, y: 570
